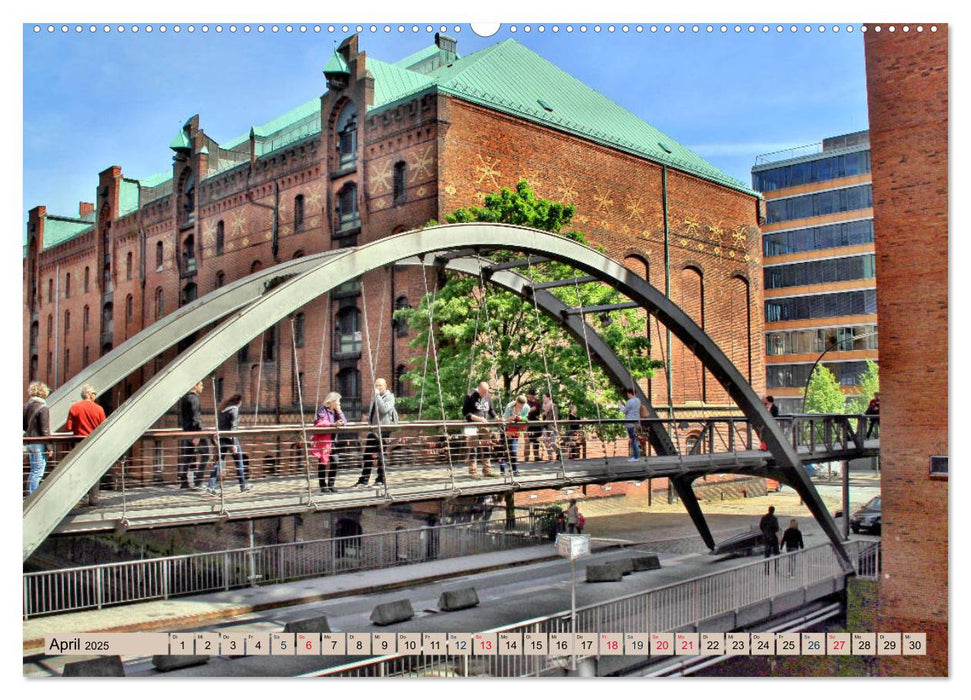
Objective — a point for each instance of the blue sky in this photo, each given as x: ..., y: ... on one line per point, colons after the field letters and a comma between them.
x: 93, y: 100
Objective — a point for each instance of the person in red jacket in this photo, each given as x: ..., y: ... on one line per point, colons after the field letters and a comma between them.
x: 82, y: 418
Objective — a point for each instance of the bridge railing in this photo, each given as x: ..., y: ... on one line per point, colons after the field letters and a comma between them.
x: 102, y: 585
x: 664, y: 609
x: 418, y: 454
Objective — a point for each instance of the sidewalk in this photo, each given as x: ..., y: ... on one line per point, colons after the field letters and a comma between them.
x: 190, y: 611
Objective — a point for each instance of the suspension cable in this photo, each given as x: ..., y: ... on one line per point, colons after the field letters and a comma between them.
x: 586, y: 345
x: 219, y: 470
x: 372, y: 361
x: 495, y: 356
x: 323, y: 347
x: 546, y: 369
x: 303, y: 422
x: 438, y: 375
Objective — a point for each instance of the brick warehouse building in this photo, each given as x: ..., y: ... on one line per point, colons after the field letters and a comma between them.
x: 388, y: 147
x: 907, y: 89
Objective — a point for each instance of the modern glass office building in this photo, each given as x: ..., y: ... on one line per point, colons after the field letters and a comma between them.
x: 819, y: 264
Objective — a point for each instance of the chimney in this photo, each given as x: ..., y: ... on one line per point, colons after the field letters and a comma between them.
x: 447, y: 45
x: 85, y: 208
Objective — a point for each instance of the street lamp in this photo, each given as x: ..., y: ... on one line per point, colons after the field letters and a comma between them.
x: 833, y: 345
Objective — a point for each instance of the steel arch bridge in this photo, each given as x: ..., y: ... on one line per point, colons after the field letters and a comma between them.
x: 253, y: 304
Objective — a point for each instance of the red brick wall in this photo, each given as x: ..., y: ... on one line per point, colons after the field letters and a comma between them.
x: 908, y: 101
x: 620, y: 207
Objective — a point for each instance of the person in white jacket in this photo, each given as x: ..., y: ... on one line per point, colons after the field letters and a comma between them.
x: 382, y: 414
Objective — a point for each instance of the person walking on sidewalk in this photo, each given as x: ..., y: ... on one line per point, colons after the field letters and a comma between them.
x: 769, y: 525
x: 37, y: 423
x: 792, y: 541
x: 573, y: 517
x: 632, y: 414
x: 193, y: 452
x: 82, y: 418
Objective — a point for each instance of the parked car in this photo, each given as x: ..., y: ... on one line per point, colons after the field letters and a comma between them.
x: 744, y: 545
x: 867, y: 519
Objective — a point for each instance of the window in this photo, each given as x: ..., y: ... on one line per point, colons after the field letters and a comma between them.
x: 348, y: 289
x: 189, y: 198
x: 86, y: 318
x: 159, y: 303
x: 107, y: 320
x: 349, y: 387
x: 820, y: 271
x: 347, y: 136
x: 255, y: 267
x: 242, y: 355
x: 34, y: 333
x: 400, y: 385
x: 269, y: 344
x: 219, y: 389
x: 220, y: 238
x: 220, y: 279
x: 298, y: 330
x: 159, y: 255
x: 296, y: 386
x: 67, y: 362
x: 400, y: 324
x: 348, y: 331
x: 87, y: 280
x: 67, y: 323
x: 821, y: 306
x: 129, y: 264
x: 189, y: 254
x: 50, y: 328
x: 129, y: 308
x: 818, y: 238
x: 86, y: 355
x: 820, y: 170
x: 33, y: 365
x: 189, y: 294
x: 819, y: 203
x: 106, y: 284
x: 347, y: 214
x: 399, y: 182
x: 50, y: 291
x: 298, y: 213
x: 67, y: 286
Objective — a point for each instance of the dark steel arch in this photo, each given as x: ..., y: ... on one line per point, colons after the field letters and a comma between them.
x: 87, y: 462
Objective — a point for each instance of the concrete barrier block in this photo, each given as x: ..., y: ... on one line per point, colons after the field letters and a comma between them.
x: 395, y: 611
x: 458, y: 600
x: 625, y: 564
x: 646, y: 563
x: 102, y: 667
x: 170, y: 662
x: 308, y: 625
x: 597, y: 573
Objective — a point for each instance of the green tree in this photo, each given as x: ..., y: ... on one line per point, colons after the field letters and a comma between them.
x: 482, y: 332
x: 824, y: 395
x: 869, y: 384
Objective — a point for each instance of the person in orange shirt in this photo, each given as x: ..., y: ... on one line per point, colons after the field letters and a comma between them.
x: 82, y: 418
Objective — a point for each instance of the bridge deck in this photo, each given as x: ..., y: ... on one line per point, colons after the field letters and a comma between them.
x: 168, y: 505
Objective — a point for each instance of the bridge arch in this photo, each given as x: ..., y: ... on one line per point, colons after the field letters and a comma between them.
x: 85, y: 464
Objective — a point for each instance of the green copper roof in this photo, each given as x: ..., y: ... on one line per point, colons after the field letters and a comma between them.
x: 58, y: 229
x: 416, y: 58
x: 155, y: 180
x: 127, y: 196
x: 180, y: 141
x: 336, y: 64
x: 308, y: 110
x: 513, y: 79
x: 392, y: 83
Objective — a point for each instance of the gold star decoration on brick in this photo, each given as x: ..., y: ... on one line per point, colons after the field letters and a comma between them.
x: 690, y: 226
x: 450, y: 189
x: 422, y: 164
x: 381, y: 177
x: 635, y: 208
x: 313, y: 199
x: 746, y: 257
x: 581, y: 218
x: 715, y: 231
x: 421, y: 191
x: 603, y: 200
x: 701, y: 246
x: 731, y: 254
x: 567, y: 192
x: 209, y: 233
x: 535, y: 181
x: 739, y: 235
x: 717, y: 250
x: 684, y: 243
x: 238, y: 222
x: 488, y: 170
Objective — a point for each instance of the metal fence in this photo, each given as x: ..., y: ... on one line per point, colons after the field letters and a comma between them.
x: 663, y: 609
x: 102, y: 585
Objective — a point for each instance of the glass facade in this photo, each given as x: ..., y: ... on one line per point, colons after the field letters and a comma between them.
x: 817, y: 340
x: 858, y: 267
x: 805, y: 173
x: 821, y: 306
x: 780, y: 376
x: 818, y: 238
x: 818, y: 204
